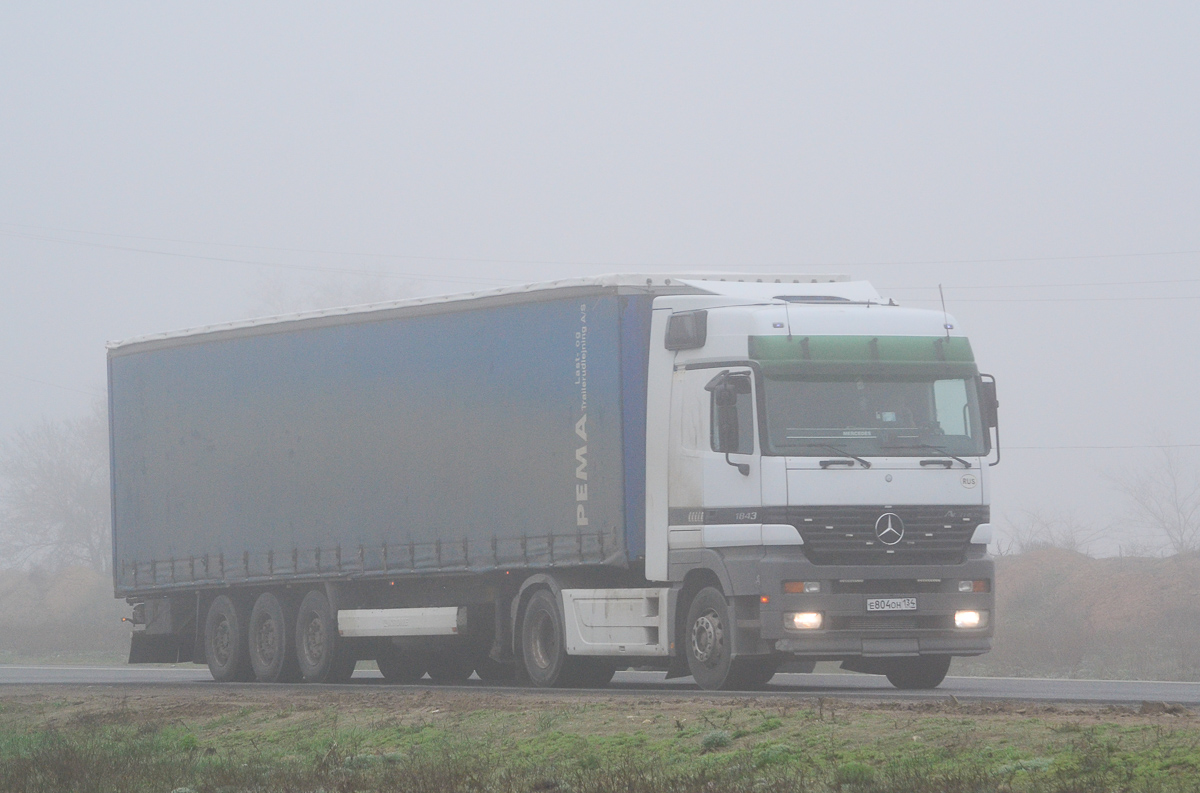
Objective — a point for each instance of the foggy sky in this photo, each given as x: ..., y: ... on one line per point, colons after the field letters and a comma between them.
x: 1011, y: 146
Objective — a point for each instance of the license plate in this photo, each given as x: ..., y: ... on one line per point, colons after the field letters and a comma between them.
x: 891, y: 604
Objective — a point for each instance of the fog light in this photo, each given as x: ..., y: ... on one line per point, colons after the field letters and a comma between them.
x: 970, y: 619
x: 807, y: 620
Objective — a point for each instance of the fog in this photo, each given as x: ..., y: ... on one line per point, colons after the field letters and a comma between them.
x: 167, y: 166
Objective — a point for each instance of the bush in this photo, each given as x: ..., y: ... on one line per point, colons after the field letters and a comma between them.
x: 717, y: 739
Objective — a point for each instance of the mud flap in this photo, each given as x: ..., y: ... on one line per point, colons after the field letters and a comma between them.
x: 146, y: 648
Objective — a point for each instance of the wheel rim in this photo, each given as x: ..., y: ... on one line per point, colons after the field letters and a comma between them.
x: 545, y: 641
x: 708, y: 638
x: 222, y: 639
x: 314, y: 641
x: 266, y: 640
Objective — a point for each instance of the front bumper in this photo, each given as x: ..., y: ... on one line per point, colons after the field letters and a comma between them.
x: 848, y: 629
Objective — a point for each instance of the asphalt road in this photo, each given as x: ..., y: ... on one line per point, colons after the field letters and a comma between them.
x: 782, y: 685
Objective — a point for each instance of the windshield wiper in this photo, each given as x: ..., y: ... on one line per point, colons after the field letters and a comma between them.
x: 844, y: 453
x: 940, y: 450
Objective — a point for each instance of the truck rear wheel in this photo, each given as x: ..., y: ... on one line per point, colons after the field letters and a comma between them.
x: 495, y: 672
x: 272, y: 646
x: 925, y: 672
x: 225, y: 645
x: 322, y: 655
x: 399, y: 666
x: 708, y: 635
x: 543, y: 646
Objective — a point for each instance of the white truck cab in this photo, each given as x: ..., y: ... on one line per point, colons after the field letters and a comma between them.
x: 817, y: 485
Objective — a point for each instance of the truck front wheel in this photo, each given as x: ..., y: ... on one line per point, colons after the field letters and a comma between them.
x: 755, y: 673
x: 708, y: 635
x: 272, y: 648
x: 542, y: 642
x: 925, y: 672
x: 225, y: 645
x: 323, y: 657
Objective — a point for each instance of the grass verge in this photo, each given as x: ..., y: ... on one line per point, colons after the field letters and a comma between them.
x: 224, y: 740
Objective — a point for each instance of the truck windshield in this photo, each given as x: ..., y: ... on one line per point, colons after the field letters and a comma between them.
x: 873, y: 416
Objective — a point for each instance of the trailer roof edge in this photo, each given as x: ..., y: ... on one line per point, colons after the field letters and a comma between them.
x: 695, y: 283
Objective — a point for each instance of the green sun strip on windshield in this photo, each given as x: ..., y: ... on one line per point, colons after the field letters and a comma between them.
x: 871, y: 353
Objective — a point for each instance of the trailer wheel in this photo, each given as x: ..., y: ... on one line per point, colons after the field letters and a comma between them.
x: 399, y: 666
x: 708, y: 635
x: 225, y: 641
x: 322, y: 655
x: 272, y: 646
x: 925, y: 672
x: 543, y: 645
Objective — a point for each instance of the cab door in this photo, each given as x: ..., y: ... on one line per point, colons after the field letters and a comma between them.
x: 714, y: 490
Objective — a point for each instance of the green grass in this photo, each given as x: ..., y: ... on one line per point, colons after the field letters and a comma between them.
x: 224, y: 740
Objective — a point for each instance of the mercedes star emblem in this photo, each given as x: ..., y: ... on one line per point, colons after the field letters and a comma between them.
x: 889, y: 528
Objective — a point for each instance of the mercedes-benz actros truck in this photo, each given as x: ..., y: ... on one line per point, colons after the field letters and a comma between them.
x: 716, y: 476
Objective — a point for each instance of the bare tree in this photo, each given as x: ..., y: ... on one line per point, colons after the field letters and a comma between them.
x: 1031, y: 530
x: 1164, y: 498
x: 54, y: 494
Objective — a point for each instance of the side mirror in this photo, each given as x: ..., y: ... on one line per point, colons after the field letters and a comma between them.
x: 726, y: 415
x: 988, y: 404
x: 725, y: 388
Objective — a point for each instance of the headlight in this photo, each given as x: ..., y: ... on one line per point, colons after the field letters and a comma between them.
x: 970, y: 619
x: 807, y: 620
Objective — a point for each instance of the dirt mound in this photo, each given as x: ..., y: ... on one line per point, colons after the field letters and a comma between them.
x: 1063, y: 614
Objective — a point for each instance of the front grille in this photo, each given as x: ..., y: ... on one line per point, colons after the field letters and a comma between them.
x: 933, y: 534
x: 888, y: 623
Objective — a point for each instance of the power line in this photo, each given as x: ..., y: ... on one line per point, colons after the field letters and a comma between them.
x: 1023, y: 259
x: 258, y: 263
x: 1049, y: 286
x: 1133, y: 446
x: 1058, y: 299
x: 494, y: 260
x: 473, y: 280
x: 370, y: 254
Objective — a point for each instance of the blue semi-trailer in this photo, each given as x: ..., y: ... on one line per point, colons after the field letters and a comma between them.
x: 556, y: 481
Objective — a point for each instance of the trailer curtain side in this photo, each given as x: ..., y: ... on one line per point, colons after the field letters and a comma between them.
x: 474, y: 438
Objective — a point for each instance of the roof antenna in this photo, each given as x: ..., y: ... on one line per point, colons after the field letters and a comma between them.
x: 945, y: 318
